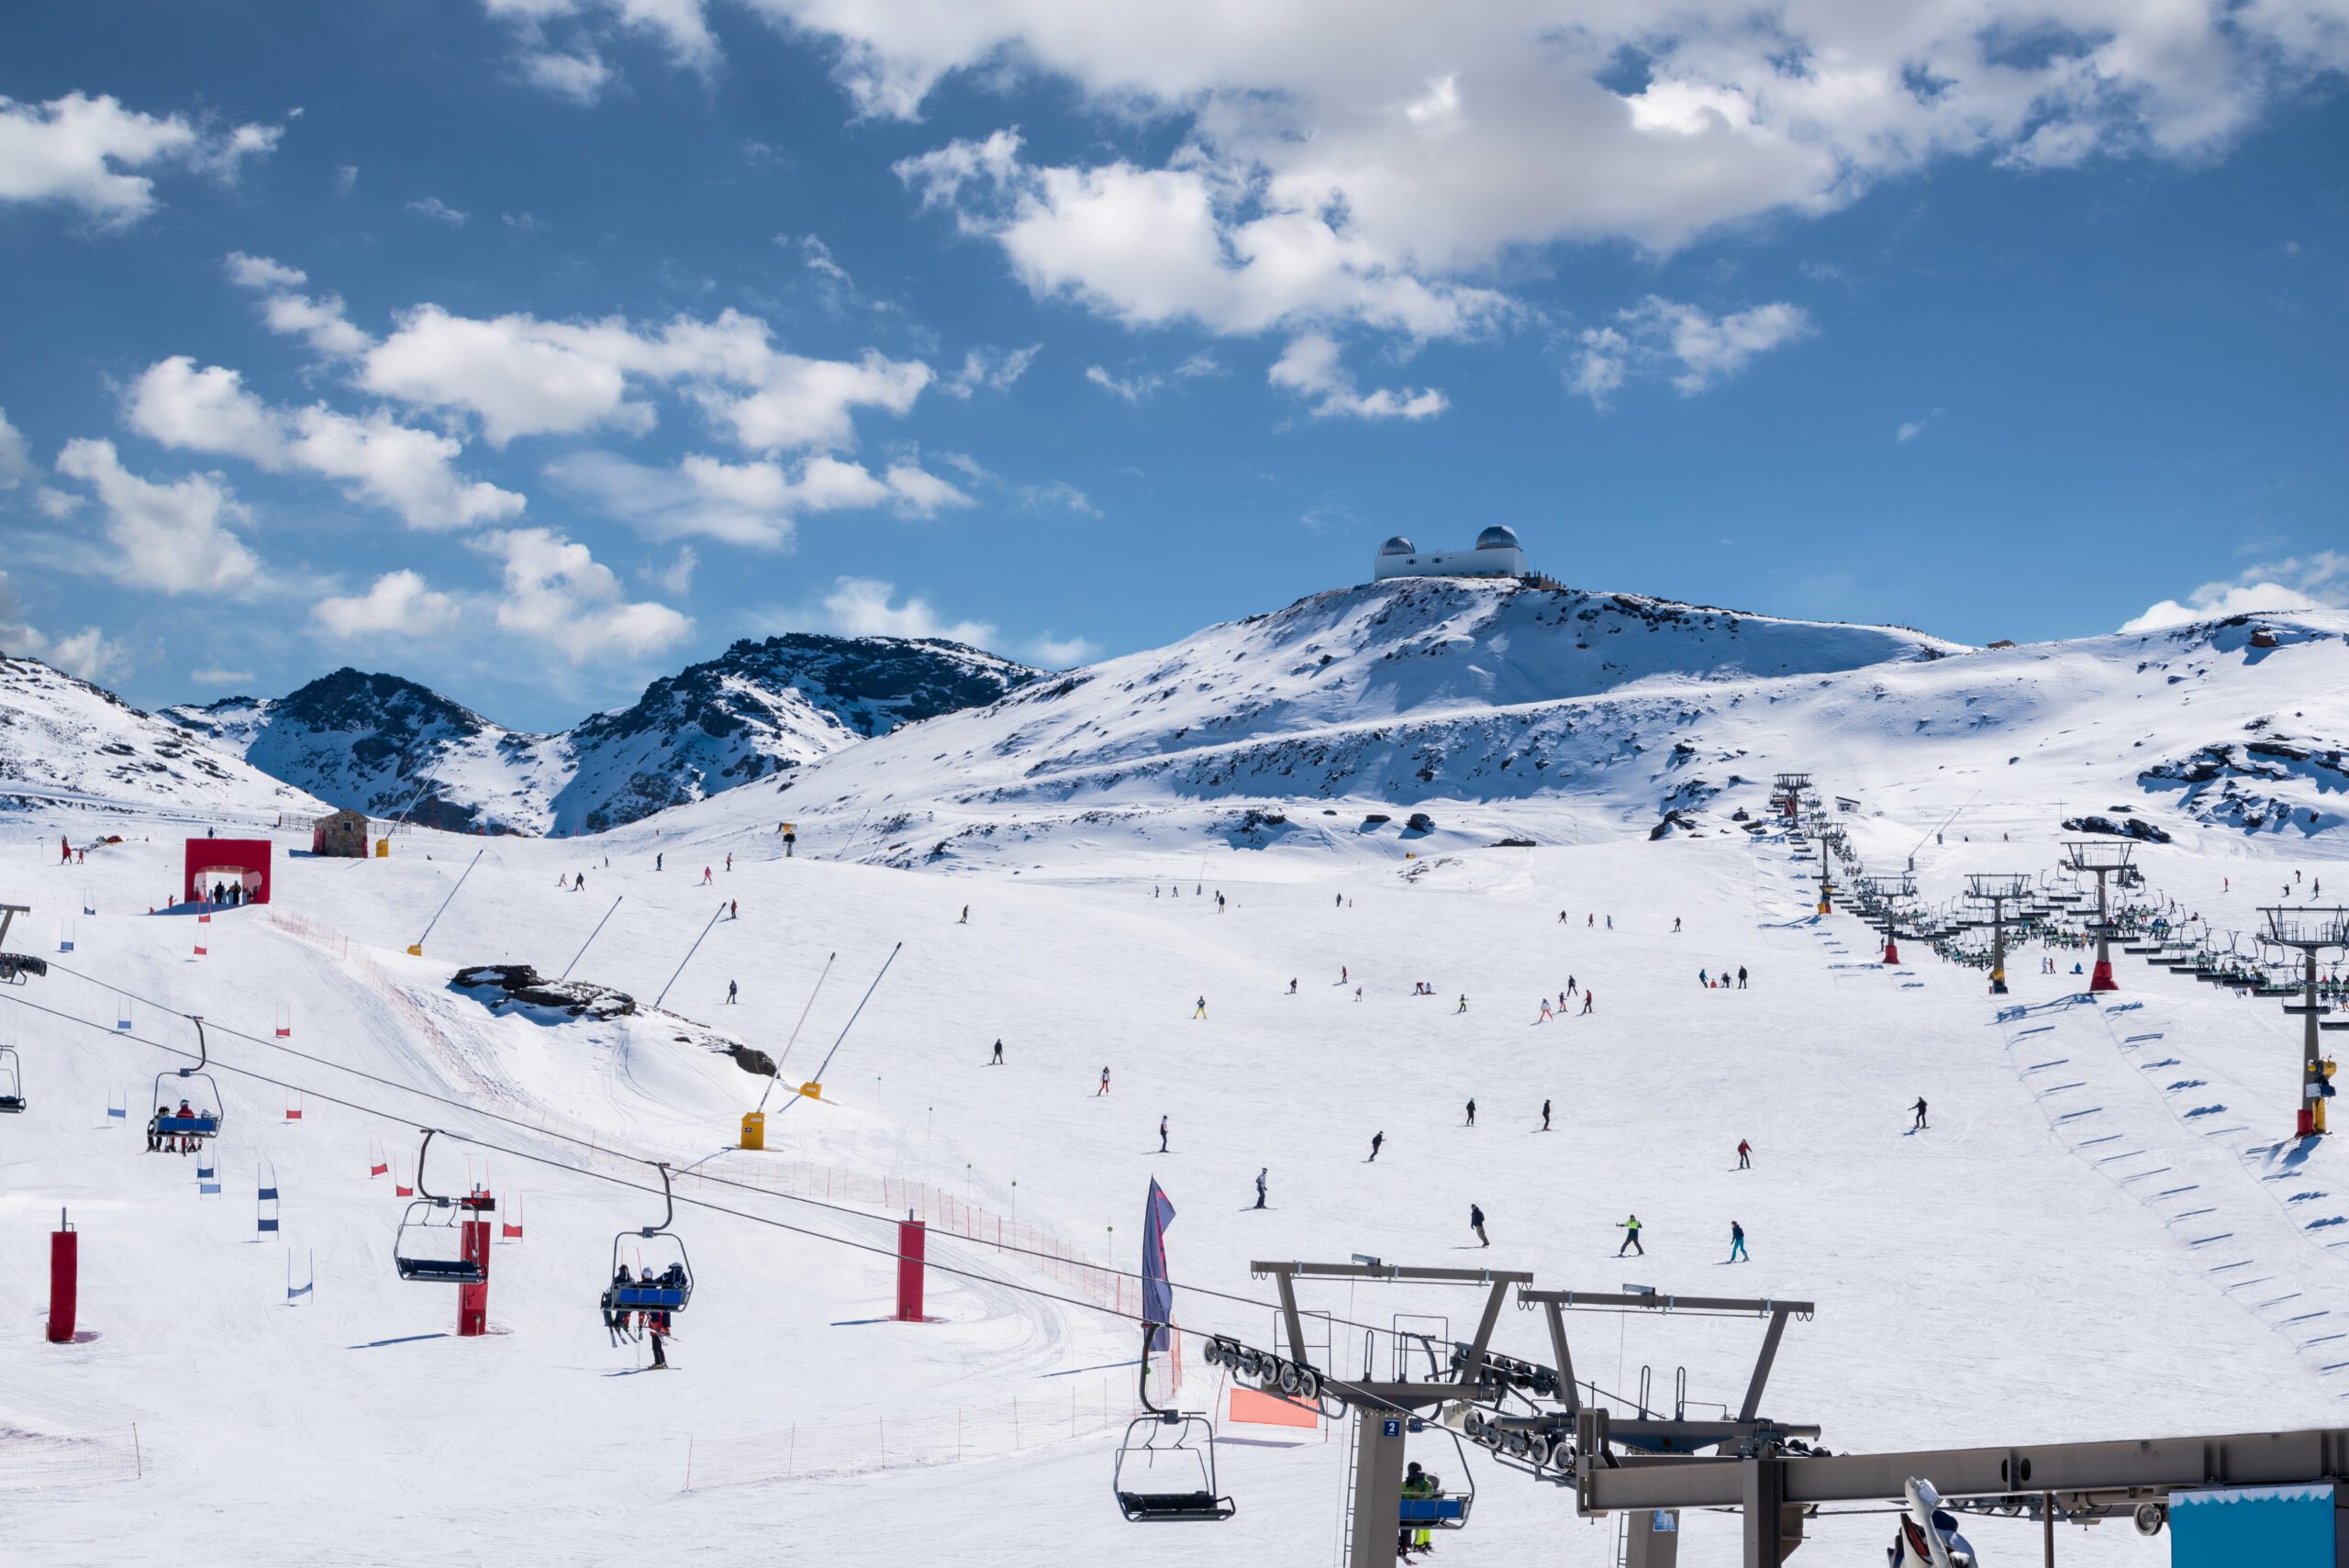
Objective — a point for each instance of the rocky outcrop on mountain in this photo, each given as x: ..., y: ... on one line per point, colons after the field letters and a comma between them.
x: 389, y: 747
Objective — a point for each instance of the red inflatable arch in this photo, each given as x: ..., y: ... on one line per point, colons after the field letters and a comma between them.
x: 214, y: 861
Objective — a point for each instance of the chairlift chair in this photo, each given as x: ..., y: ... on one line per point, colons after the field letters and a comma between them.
x: 12, y: 1079
x: 1185, y: 1442
x: 202, y: 1123
x: 430, y: 1215
x: 667, y: 1292
x: 1448, y: 1509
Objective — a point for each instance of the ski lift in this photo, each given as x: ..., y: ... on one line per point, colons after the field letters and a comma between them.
x: 429, y: 1216
x: 668, y: 1291
x: 1929, y: 1536
x: 12, y: 1079
x: 1441, y: 1510
x: 198, y: 1123
x: 1184, y: 1442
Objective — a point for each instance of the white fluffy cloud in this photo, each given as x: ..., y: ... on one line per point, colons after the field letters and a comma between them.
x: 860, y: 606
x: 321, y: 320
x: 17, y: 464
x: 554, y: 591
x: 397, y: 466
x: 559, y: 39
x: 579, y: 75
x: 176, y: 538
x: 1310, y: 367
x: 2300, y: 583
x: 397, y: 605
x: 523, y: 377
x: 988, y: 369
x: 88, y: 652
x: 1663, y: 339
x: 1373, y: 165
x: 1062, y: 652
x: 748, y: 503
x: 81, y: 150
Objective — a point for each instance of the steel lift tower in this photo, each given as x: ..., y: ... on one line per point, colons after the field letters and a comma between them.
x: 1998, y: 889
x: 1889, y: 893
x: 1788, y: 794
x: 2311, y: 930
x: 1385, y: 1412
x: 2102, y: 862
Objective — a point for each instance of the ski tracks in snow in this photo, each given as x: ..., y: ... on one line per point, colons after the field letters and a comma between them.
x: 2125, y: 1101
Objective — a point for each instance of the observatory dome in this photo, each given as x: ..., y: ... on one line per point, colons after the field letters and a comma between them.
x: 1497, y: 537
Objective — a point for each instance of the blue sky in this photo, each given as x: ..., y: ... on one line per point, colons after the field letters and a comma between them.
x: 539, y: 347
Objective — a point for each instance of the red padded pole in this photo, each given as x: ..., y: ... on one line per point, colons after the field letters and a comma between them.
x: 64, y: 1275
x: 472, y: 1300
x: 913, y: 1246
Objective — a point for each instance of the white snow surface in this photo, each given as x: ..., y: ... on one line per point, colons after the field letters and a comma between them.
x: 1984, y: 1282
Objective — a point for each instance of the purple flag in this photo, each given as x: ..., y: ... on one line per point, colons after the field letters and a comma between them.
x: 1157, y: 1290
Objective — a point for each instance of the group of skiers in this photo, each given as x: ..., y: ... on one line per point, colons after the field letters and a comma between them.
x: 653, y: 1323
x: 162, y: 1143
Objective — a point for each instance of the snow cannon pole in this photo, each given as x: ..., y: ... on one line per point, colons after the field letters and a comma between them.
x: 590, y: 941
x: 850, y: 1025
x: 784, y: 1055
x: 690, y: 951
x: 415, y: 949
x: 64, y: 1279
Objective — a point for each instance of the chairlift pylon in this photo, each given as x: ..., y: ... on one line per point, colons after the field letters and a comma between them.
x: 421, y: 1221
x: 192, y: 1122
x: 1185, y: 1441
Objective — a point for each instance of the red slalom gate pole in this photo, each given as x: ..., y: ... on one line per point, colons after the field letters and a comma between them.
x: 913, y: 1248
x: 64, y: 1277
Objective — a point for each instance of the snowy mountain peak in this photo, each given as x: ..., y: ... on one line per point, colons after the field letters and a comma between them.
x: 388, y: 746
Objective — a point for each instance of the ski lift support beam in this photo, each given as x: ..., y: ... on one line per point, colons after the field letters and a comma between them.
x: 1383, y: 1411
x: 1555, y: 1304
x: 2089, y: 1479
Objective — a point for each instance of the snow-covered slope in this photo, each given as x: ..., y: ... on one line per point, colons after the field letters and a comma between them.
x: 2044, y: 1296
x: 385, y: 745
x: 66, y: 740
x: 1501, y: 710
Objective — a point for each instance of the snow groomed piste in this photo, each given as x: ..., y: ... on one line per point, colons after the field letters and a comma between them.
x: 792, y: 1327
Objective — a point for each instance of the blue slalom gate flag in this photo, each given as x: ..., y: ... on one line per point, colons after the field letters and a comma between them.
x: 1157, y: 1290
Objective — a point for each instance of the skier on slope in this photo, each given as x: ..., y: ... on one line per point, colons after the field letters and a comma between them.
x: 1545, y: 1115
x: 1161, y: 1135
x: 1737, y: 1244
x: 1376, y: 1139
x: 1104, y: 1085
x: 1630, y: 1229
x: 1476, y: 1223
x: 1744, y: 1155
x: 1920, y: 1108
x: 1200, y: 1011
x: 1472, y: 1110
x: 1261, y: 1174
x: 1463, y: 1003
x: 1587, y: 998
x: 998, y: 1055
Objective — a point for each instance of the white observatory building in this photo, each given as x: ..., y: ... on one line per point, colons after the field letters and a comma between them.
x: 1497, y: 555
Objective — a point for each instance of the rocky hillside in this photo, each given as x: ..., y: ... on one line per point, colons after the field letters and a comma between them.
x: 63, y: 740
x: 388, y: 746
